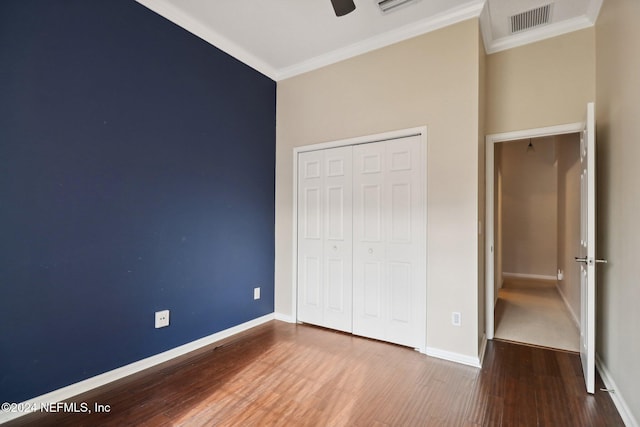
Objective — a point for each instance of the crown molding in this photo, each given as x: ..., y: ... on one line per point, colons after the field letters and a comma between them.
x: 178, y: 17
x: 593, y: 10
x: 485, y: 27
x: 450, y: 17
x: 473, y: 9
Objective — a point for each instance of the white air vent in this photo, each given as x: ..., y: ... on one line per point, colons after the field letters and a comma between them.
x: 531, y: 18
x: 390, y: 5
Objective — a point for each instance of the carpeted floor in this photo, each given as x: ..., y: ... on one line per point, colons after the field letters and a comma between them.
x: 532, y: 311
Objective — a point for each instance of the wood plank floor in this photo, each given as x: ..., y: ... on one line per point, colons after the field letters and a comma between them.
x: 298, y: 375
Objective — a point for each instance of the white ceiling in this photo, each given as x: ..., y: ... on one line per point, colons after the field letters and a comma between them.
x: 283, y: 38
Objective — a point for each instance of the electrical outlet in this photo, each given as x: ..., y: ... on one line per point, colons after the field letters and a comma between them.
x: 162, y: 319
x: 256, y: 293
x: 456, y: 319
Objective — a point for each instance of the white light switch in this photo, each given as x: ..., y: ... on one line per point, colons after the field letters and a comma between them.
x: 256, y: 293
x: 456, y: 318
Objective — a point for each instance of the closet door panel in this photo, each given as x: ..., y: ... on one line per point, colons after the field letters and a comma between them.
x: 371, y: 298
x: 325, y: 238
x: 312, y: 274
x: 310, y: 238
x: 338, y: 292
x: 336, y: 284
x: 371, y: 213
x: 388, y: 233
x: 400, y: 212
x: 335, y: 213
x: 405, y: 247
x: 400, y: 288
x: 369, y: 275
x: 311, y: 213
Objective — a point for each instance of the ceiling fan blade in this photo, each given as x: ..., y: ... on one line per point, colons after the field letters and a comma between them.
x: 342, y: 7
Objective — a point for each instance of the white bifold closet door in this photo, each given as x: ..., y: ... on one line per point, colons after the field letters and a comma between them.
x: 389, y: 268
x: 362, y: 238
x: 325, y: 238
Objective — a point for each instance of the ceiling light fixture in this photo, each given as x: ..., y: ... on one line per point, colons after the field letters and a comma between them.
x: 530, y: 148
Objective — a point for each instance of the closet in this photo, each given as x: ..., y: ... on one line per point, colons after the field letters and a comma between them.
x: 361, y: 239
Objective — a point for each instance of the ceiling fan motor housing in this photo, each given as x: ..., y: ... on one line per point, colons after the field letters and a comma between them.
x: 342, y: 7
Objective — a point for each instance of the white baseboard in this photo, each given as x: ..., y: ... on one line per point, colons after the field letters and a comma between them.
x: 529, y: 276
x: 75, y: 389
x: 454, y: 357
x: 575, y: 318
x: 483, y: 349
x: 618, y: 399
x: 285, y: 318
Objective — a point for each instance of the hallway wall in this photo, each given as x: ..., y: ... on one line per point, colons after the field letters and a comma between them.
x: 538, y: 208
x: 529, y: 207
x: 569, y: 169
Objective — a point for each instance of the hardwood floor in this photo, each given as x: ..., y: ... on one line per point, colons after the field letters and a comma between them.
x: 298, y: 375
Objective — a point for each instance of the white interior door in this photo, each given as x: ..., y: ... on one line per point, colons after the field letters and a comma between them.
x: 587, y: 258
x: 389, y: 276
x: 325, y: 238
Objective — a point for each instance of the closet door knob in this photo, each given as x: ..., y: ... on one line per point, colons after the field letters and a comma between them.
x: 370, y: 250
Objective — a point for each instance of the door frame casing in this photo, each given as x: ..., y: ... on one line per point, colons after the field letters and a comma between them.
x: 490, y: 142
x: 420, y: 131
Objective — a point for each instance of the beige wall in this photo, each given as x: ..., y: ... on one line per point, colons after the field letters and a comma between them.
x: 541, y: 84
x: 430, y: 80
x: 618, y: 139
x: 497, y: 214
x: 482, y: 61
x: 529, y: 207
x: 569, y: 169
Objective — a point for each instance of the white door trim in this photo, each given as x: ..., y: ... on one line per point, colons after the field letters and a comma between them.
x: 385, y: 136
x: 489, y: 203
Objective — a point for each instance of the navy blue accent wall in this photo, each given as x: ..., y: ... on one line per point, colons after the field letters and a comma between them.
x: 136, y: 174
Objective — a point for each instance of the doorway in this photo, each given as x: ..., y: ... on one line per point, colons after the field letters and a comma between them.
x: 533, y: 219
x: 537, y: 206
